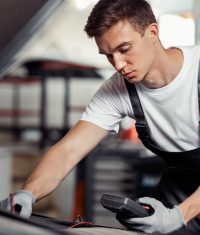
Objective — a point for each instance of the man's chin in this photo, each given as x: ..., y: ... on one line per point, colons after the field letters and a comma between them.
x: 133, y: 80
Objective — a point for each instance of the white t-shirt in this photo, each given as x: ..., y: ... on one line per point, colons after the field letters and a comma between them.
x: 172, y: 112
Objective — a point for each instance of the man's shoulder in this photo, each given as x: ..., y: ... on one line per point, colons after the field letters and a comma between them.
x: 115, y: 77
x: 191, y: 55
x: 116, y: 80
x: 114, y: 88
x: 192, y: 50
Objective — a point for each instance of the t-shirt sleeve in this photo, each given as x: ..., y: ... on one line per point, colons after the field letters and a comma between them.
x: 104, y: 108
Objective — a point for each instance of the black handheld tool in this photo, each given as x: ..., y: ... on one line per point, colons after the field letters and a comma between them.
x: 124, y: 205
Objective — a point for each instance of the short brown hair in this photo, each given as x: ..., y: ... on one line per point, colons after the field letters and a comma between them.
x: 106, y: 13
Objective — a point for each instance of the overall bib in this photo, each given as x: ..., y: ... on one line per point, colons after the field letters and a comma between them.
x: 182, y: 175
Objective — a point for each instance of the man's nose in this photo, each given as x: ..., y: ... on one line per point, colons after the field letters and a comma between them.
x: 119, y: 64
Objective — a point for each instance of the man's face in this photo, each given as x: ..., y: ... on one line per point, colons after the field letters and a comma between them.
x: 130, y: 53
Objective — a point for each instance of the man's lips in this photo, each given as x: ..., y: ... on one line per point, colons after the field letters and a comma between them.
x: 130, y: 74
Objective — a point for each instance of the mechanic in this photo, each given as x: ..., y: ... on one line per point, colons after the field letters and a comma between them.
x: 156, y: 86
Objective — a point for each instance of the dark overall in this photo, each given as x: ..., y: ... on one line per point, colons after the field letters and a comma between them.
x: 182, y: 175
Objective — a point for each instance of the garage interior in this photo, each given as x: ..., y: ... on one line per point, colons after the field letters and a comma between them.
x: 49, y: 74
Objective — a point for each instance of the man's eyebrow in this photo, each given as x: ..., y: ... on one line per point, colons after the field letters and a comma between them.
x: 117, y: 47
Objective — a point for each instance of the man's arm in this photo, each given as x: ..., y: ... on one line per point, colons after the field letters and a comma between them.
x: 190, y: 207
x: 63, y: 157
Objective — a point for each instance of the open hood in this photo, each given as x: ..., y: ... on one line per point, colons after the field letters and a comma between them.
x: 19, y: 21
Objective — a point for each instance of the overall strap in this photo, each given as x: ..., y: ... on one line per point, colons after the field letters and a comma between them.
x: 199, y: 88
x: 142, y: 126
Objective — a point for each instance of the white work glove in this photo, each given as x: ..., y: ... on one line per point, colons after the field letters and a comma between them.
x: 162, y: 221
x: 22, y: 202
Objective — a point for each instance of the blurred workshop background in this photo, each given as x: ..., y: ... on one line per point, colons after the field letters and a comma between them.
x: 49, y: 70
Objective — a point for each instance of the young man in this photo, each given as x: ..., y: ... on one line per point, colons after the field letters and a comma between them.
x: 156, y: 86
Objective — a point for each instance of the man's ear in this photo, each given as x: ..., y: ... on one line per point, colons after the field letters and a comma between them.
x: 153, y: 31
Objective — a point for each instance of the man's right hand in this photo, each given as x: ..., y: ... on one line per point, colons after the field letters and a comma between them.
x: 22, y: 202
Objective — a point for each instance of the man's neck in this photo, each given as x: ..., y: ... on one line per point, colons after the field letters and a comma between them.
x: 165, y: 69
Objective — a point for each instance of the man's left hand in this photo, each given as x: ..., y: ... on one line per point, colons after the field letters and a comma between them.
x: 162, y: 221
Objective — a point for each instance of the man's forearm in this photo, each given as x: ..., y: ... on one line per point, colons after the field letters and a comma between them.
x: 190, y: 207
x: 49, y: 173
x: 63, y: 157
